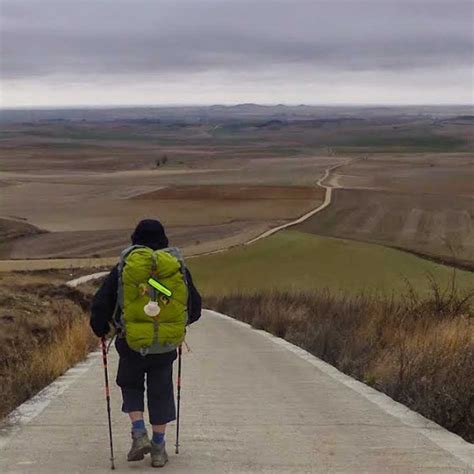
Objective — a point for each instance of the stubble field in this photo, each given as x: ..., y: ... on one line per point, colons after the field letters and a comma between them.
x: 81, y: 190
x: 75, y: 187
x: 419, y: 202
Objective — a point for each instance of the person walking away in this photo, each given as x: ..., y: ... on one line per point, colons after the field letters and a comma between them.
x: 150, y: 298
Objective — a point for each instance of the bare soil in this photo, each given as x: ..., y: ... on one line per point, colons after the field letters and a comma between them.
x: 11, y: 229
x: 428, y: 223
x: 235, y: 192
x: 420, y: 202
x: 109, y: 243
x: 214, y: 182
x: 427, y: 173
x: 92, y: 214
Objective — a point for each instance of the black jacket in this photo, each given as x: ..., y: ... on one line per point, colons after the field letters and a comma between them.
x: 104, y: 301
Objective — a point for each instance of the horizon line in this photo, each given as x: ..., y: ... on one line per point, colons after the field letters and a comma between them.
x: 277, y: 104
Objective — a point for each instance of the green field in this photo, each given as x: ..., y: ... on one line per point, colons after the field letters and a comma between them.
x: 297, y: 261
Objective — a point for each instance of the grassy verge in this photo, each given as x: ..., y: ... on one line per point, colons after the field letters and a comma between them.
x: 418, y: 349
x: 44, y: 330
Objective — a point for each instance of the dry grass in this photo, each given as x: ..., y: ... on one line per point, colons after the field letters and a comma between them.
x: 418, y: 350
x: 44, y: 330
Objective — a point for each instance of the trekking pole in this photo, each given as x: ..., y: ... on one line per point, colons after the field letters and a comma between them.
x: 107, y: 399
x: 180, y: 352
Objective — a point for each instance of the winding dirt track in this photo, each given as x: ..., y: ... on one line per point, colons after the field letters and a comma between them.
x: 299, y: 220
x: 326, y: 203
x: 54, y: 263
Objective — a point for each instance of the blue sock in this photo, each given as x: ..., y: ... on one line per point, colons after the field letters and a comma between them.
x: 158, y: 438
x: 138, y: 426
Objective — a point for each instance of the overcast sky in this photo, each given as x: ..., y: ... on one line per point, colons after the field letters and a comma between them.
x: 124, y: 52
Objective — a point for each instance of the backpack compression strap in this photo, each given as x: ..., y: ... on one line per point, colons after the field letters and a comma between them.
x: 119, y: 300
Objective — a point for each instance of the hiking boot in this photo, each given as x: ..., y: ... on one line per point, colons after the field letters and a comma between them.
x: 140, y: 446
x: 159, y: 456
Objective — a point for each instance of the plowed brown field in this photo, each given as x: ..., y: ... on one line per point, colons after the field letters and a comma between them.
x: 427, y: 223
x: 76, y: 188
x: 93, y: 214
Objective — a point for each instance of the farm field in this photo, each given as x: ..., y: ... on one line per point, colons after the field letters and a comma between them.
x: 73, y: 184
x: 295, y: 261
x: 416, y: 173
x: 194, y: 216
x: 434, y: 225
x: 72, y: 190
x: 419, y: 202
x: 91, y: 213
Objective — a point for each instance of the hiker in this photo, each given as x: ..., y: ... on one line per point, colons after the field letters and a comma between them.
x: 148, y: 331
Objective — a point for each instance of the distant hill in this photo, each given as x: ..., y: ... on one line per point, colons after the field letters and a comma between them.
x: 223, y: 113
x: 461, y: 119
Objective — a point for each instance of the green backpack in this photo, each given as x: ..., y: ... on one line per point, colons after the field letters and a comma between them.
x: 151, y: 282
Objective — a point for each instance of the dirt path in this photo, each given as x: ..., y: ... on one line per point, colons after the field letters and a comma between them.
x: 46, y: 264
x: 326, y: 203
x: 274, y: 230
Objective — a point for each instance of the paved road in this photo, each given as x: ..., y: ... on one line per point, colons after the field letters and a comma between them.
x: 249, y: 405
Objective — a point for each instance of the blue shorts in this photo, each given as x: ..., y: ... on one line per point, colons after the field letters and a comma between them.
x: 156, y: 372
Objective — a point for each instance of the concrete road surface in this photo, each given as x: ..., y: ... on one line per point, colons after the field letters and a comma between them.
x: 251, y: 403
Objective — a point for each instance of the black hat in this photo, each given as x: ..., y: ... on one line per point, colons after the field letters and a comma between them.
x: 150, y: 233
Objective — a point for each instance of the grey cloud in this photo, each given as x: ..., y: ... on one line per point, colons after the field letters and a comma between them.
x: 43, y: 37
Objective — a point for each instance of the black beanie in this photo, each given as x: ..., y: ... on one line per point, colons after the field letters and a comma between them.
x: 150, y: 233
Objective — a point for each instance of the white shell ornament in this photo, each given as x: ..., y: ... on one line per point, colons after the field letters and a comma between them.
x: 152, y: 309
